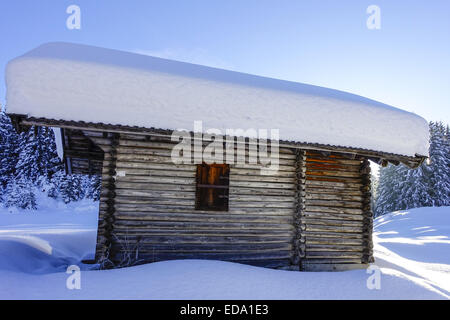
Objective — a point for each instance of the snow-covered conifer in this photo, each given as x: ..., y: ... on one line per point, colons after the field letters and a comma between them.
x: 8, y: 151
x: 20, y: 194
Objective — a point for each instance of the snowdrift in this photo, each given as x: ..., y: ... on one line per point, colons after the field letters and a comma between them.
x: 412, y: 252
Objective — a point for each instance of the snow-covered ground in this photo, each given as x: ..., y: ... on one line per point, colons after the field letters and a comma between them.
x: 412, y: 250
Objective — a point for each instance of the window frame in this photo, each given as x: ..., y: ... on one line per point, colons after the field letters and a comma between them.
x: 207, y: 190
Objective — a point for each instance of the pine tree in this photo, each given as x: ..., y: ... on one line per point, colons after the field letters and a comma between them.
x: 440, y: 165
x: 38, y: 159
x: 68, y: 188
x: 415, y: 190
x: 8, y: 151
x: 20, y: 194
x: 93, y: 187
x: 55, y: 183
x: 428, y: 185
x: 388, y: 190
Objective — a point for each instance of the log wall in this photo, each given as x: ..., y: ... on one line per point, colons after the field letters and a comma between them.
x: 337, y: 216
x: 313, y: 214
x: 150, y: 209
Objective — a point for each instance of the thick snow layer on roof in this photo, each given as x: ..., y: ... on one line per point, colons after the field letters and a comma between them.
x: 65, y: 81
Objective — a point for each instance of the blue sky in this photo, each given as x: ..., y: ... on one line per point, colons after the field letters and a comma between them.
x: 405, y: 64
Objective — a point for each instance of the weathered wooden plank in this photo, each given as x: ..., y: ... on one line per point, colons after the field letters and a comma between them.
x: 283, y: 170
x: 281, y: 167
x: 258, y: 198
x: 334, y: 266
x: 333, y: 179
x: 335, y: 196
x: 163, y: 143
x: 315, y: 165
x: 199, y: 218
x: 150, y: 149
x: 208, y: 248
x: 161, y: 194
x: 323, y: 190
x: 342, y: 229
x: 346, y: 173
x: 163, y: 159
x: 233, y: 256
x: 334, y: 161
x: 332, y: 222
x: 334, y: 203
x: 333, y: 234
x: 257, y: 172
x: 311, y: 208
x: 334, y: 185
x: 256, y: 184
x: 327, y: 155
x: 235, y: 190
x: 336, y: 216
x: 262, y: 178
x: 333, y: 247
x: 144, y: 202
x: 311, y: 240
x: 204, y: 224
x: 169, y: 167
x: 336, y: 254
x: 149, y: 230
x: 123, y: 207
x: 157, y: 173
x: 154, y: 186
x: 202, y: 239
x: 261, y: 204
x: 331, y: 260
x: 184, y: 200
x: 159, y: 179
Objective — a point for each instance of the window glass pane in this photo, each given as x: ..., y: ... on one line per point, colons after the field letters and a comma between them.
x: 212, y: 187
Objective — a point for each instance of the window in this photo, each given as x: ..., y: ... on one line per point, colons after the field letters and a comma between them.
x: 212, y: 187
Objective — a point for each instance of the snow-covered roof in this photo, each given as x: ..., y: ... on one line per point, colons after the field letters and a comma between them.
x: 64, y: 81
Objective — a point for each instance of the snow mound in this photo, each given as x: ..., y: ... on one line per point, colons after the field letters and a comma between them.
x: 49, y: 239
x: 66, y: 81
x: 415, y: 244
x: 412, y: 252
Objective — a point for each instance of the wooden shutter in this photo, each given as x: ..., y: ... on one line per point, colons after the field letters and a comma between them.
x: 212, y: 187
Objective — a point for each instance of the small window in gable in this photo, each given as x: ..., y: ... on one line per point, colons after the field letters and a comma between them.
x: 212, y: 187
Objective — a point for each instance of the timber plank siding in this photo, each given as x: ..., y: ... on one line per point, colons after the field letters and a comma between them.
x: 312, y: 214
x: 155, y: 209
x: 337, y: 214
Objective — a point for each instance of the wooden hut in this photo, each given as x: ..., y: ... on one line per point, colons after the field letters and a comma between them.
x: 313, y: 213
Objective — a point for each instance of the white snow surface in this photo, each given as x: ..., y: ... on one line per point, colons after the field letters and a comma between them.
x: 65, y: 81
x: 412, y: 250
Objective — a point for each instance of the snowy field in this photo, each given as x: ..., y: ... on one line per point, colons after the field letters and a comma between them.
x: 412, y: 250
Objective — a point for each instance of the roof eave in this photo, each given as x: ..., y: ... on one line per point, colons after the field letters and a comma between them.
x: 21, y: 122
